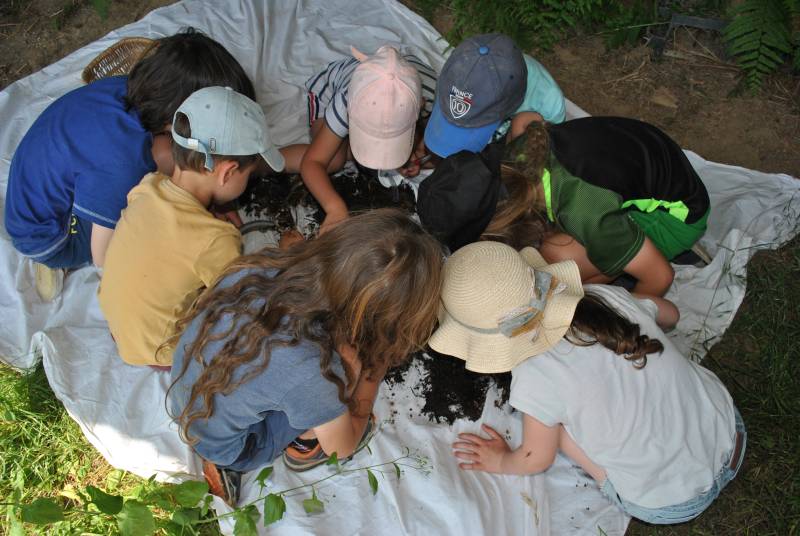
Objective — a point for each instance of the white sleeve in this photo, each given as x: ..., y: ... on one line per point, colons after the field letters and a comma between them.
x: 535, y: 394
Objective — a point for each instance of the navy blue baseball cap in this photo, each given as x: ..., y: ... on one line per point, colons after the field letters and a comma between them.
x: 482, y: 83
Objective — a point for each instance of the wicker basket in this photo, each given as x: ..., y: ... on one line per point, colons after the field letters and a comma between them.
x: 117, y: 59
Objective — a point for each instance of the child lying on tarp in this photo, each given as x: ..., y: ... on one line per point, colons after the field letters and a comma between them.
x: 71, y: 173
x: 168, y: 246
x: 620, y: 193
x: 594, y: 377
x: 289, y: 347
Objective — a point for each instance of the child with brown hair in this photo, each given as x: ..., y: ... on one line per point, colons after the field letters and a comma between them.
x: 614, y: 194
x: 72, y: 171
x: 290, y: 346
x: 594, y: 377
x: 168, y: 246
x: 365, y: 105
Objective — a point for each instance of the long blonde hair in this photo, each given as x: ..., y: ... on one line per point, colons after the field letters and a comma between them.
x: 372, y: 282
x: 519, y: 220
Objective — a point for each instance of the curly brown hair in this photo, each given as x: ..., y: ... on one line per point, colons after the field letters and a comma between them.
x: 596, y: 322
x: 519, y: 220
x: 372, y: 282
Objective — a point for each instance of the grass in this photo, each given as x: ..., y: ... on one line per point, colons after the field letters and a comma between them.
x: 758, y: 359
x: 42, y: 450
x: 43, y: 453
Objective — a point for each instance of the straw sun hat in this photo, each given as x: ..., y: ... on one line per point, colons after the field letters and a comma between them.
x: 501, y: 306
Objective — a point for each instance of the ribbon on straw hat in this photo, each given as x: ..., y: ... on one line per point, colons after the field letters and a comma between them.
x: 501, y: 306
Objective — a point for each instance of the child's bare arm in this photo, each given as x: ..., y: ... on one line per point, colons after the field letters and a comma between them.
x: 293, y: 156
x: 343, y: 434
x: 654, y: 274
x: 493, y: 455
x: 313, y: 169
x: 668, y: 313
x: 101, y: 236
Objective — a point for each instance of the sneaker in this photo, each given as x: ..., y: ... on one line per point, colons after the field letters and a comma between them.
x: 49, y: 281
x: 224, y: 483
x: 299, y: 460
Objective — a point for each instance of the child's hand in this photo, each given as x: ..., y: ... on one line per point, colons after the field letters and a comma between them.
x: 332, y: 219
x: 482, y: 454
x: 230, y: 216
x: 289, y: 238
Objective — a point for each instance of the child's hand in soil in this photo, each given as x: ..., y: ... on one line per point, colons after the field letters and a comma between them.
x: 482, y: 454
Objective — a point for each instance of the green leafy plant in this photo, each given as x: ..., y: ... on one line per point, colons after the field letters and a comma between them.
x: 626, y: 22
x: 182, y: 509
x: 529, y: 22
x: 760, y: 37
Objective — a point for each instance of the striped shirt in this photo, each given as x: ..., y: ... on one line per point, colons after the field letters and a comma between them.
x: 328, y: 91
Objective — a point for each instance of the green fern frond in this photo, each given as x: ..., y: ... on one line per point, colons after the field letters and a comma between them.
x: 760, y: 37
x: 530, y: 23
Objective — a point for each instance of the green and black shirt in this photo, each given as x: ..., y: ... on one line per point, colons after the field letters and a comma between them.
x: 601, y: 168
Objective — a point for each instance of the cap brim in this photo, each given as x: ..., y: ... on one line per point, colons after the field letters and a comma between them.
x: 274, y: 158
x: 381, y: 153
x: 495, y: 353
x: 444, y: 138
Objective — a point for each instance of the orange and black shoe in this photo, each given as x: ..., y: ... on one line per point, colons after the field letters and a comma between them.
x: 303, y: 454
x: 224, y: 483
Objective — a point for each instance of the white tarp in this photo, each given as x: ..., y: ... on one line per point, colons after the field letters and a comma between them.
x: 121, y: 408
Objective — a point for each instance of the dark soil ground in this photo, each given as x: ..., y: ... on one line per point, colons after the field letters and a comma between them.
x: 694, y: 94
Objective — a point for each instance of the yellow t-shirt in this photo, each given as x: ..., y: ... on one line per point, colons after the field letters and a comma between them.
x: 165, y: 249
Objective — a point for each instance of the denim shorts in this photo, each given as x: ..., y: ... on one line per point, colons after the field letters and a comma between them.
x: 692, y: 508
x: 76, y: 250
x: 265, y: 442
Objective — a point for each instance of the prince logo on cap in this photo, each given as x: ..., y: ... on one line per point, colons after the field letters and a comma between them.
x: 482, y: 84
x: 460, y: 102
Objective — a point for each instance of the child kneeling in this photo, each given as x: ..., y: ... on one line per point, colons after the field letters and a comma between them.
x: 291, y: 345
x: 167, y: 246
x: 594, y: 377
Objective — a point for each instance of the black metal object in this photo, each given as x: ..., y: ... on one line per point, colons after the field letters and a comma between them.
x: 658, y: 41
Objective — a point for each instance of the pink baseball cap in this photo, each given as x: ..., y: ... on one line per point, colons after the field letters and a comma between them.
x: 384, y: 100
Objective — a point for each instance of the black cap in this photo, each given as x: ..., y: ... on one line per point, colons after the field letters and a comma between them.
x: 458, y: 200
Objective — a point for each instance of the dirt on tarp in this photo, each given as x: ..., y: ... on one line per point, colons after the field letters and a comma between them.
x: 273, y: 197
x: 450, y: 391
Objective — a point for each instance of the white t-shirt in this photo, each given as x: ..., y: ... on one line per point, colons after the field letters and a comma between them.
x: 662, y: 432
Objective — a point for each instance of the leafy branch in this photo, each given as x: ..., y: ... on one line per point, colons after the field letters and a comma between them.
x: 760, y: 37
x: 179, y: 509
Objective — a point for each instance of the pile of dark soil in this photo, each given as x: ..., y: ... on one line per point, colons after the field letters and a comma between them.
x: 451, y: 391
x: 271, y: 197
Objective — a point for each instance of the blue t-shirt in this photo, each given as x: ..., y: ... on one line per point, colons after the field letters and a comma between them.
x: 542, y: 94
x: 83, y: 154
x: 290, y: 392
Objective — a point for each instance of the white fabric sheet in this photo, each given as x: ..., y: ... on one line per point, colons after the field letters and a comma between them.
x: 121, y: 408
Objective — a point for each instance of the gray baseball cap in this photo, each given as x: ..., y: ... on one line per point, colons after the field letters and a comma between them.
x: 482, y: 83
x: 225, y: 122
